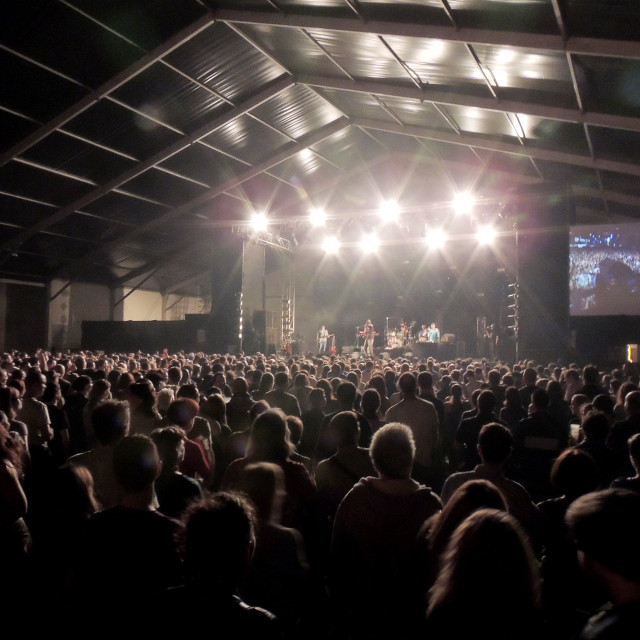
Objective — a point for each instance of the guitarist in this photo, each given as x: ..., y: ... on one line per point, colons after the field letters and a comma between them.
x: 323, y: 336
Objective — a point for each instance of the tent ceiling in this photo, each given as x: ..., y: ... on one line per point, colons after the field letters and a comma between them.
x: 133, y: 128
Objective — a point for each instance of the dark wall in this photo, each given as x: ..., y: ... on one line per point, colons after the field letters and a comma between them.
x: 226, y: 287
x: 148, y: 336
x: 603, y: 339
x: 26, y: 319
x: 543, y: 217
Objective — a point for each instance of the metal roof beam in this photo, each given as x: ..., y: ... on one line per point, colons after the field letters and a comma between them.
x: 108, y: 87
x: 285, y: 153
x: 272, y: 90
x: 611, y: 196
x: 540, y: 41
x: 481, y: 142
x: 155, y: 263
x: 186, y: 282
x: 437, y: 96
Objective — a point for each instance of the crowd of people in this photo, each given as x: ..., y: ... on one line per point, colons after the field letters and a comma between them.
x: 319, y: 497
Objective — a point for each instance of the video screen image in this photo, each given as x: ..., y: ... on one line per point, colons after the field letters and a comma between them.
x: 604, y: 270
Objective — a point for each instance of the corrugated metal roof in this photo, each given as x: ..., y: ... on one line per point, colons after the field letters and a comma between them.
x: 439, y: 96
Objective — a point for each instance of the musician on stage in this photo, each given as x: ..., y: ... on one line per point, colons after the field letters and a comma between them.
x: 423, y: 334
x: 323, y: 335
x: 369, y: 336
x: 433, y: 333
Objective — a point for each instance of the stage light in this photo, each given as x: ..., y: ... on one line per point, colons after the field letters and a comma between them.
x: 463, y: 203
x: 389, y: 210
x: 486, y: 235
x: 331, y: 244
x: 370, y: 243
x: 435, y: 238
x: 317, y: 217
x: 259, y: 221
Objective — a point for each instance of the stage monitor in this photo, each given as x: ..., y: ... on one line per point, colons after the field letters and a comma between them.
x: 604, y: 270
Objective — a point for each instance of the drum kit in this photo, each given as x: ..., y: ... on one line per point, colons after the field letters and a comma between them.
x: 400, y: 337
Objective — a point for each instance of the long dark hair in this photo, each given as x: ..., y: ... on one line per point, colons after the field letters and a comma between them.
x: 489, y: 571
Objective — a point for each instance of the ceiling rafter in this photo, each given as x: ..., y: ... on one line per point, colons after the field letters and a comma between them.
x: 108, y: 87
x: 281, y: 155
x: 482, y: 142
x: 437, y: 96
x: 186, y: 76
x: 157, y: 262
x: 176, y: 286
x: 551, y: 42
x: 266, y: 94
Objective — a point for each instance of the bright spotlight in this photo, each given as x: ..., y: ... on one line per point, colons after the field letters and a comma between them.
x: 486, y: 235
x: 317, y: 217
x: 463, y: 203
x: 435, y: 238
x: 259, y: 222
x: 389, y: 210
x: 370, y: 243
x: 331, y: 244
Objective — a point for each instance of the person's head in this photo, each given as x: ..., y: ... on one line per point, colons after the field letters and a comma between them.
x: 578, y: 401
x: 590, y: 374
x: 34, y: 383
x: 634, y: 451
x: 10, y: 401
x: 301, y: 380
x: 71, y: 492
x: 554, y: 389
x: 141, y: 396
x: 632, y: 403
x: 486, y: 402
x: 317, y: 398
x: 392, y: 451
x: 269, y: 437
x: 425, y: 381
x: 489, y: 569
x: 281, y: 380
x: 346, y: 394
x: 164, y: 400
x: 218, y: 541
x: 512, y: 398
x: 407, y: 384
x: 605, y: 526
x: 189, y: 390
x: 81, y: 385
x: 100, y: 391
x: 595, y: 426
x: 169, y: 442
x: 456, y: 392
x: 370, y: 402
x: 174, y: 376
x: 604, y: 403
x: 529, y: 376
x: 470, y: 497
x: 136, y: 463
x: 295, y: 426
x: 574, y: 473
x: 110, y: 422
x: 239, y: 386
x: 263, y: 483
x: 181, y: 413
x: 257, y: 408
x: 494, y: 443
x: 51, y: 393
x: 539, y: 400
x: 215, y: 407
x: 345, y: 429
